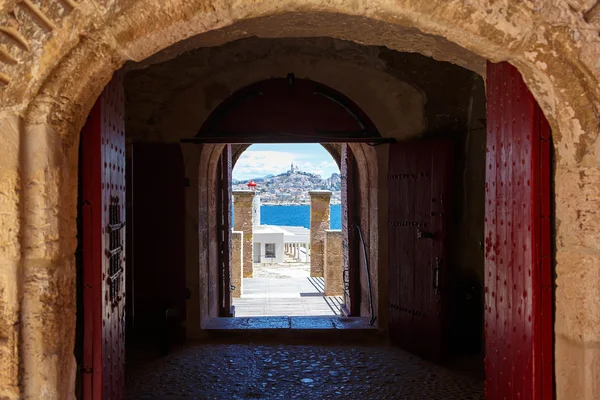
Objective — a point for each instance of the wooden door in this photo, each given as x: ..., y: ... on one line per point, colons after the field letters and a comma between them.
x: 518, y: 277
x: 419, y: 196
x: 350, y: 224
x: 225, y: 228
x: 159, y: 263
x: 103, y: 247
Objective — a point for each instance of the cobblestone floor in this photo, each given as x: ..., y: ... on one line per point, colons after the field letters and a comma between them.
x: 260, y: 371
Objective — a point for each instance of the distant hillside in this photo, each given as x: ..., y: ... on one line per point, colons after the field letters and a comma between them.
x: 292, y: 187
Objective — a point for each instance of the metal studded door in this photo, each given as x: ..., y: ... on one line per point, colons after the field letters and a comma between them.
x: 418, y: 202
x: 103, y: 215
x: 518, y: 280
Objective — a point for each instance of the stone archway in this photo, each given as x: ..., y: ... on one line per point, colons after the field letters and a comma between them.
x: 61, y: 55
x: 366, y: 160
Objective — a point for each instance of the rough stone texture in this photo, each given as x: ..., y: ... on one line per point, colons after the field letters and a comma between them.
x: 333, y: 263
x: 237, y: 261
x: 164, y: 104
x: 9, y: 258
x: 55, y: 64
x: 243, y: 221
x: 319, y: 223
x: 279, y: 371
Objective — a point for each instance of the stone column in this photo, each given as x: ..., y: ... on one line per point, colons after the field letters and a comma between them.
x: 333, y: 263
x: 243, y: 221
x: 237, y: 261
x: 319, y: 223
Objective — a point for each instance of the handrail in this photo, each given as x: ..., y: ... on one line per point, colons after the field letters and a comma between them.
x: 364, y: 248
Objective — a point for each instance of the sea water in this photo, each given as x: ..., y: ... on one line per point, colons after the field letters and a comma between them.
x: 297, y: 215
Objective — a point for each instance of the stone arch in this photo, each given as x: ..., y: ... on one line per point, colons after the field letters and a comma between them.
x: 58, y: 67
x: 366, y: 159
x: 187, y: 109
x: 209, y: 158
x: 182, y: 112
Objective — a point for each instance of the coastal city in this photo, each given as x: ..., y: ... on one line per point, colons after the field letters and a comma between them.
x: 292, y: 187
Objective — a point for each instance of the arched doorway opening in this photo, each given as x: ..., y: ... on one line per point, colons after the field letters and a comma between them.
x: 223, y: 163
x: 574, y: 129
x: 301, y: 111
x: 284, y: 279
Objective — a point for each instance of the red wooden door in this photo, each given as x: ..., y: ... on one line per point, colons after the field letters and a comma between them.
x: 350, y: 221
x: 103, y: 229
x: 225, y: 227
x: 518, y: 281
x: 418, y: 200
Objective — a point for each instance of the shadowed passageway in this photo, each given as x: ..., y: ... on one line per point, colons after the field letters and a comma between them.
x: 278, y: 371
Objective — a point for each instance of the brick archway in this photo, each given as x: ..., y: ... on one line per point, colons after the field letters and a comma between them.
x: 59, y: 62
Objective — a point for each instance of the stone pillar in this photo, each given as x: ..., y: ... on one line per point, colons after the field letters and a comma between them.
x: 237, y: 261
x: 243, y: 221
x: 333, y: 263
x: 319, y: 223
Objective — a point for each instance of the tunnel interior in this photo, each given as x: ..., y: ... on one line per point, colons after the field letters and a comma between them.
x: 172, y: 268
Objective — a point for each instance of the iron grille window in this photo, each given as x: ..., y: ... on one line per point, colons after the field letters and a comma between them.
x: 270, y: 250
x: 115, y: 249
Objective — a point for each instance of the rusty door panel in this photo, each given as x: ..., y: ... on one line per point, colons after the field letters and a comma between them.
x: 103, y: 213
x: 419, y: 194
x: 518, y: 286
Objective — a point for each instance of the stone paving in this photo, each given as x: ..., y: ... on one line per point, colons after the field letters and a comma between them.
x: 286, y: 371
x: 285, y: 289
x: 285, y: 297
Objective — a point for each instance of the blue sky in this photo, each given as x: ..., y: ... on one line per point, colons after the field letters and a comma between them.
x: 264, y: 159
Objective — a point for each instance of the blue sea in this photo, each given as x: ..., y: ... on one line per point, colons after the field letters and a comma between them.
x: 296, y: 216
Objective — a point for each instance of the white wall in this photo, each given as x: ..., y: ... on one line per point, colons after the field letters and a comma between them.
x: 264, y: 238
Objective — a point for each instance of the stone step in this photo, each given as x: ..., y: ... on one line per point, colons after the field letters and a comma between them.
x: 294, y: 329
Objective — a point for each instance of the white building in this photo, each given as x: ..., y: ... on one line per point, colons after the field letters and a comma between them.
x: 272, y: 242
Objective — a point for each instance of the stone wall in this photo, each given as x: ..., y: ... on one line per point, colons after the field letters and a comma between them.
x: 319, y: 223
x: 10, y: 249
x: 243, y: 221
x: 237, y: 262
x: 333, y: 263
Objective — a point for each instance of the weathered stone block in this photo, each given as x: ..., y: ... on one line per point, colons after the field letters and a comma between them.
x: 237, y: 261
x: 333, y: 263
x: 243, y: 220
x: 319, y: 223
